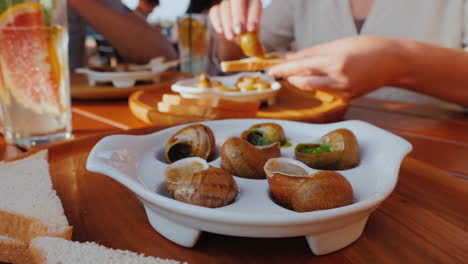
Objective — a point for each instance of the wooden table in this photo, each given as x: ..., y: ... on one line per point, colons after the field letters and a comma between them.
x: 425, y: 220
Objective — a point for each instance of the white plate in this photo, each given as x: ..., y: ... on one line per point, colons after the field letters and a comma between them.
x: 137, y: 162
x: 187, y: 88
x: 119, y: 79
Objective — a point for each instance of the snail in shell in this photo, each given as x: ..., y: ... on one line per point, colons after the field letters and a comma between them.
x: 337, y: 150
x: 191, y: 141
x: 193, y: 181
x: 241, y: 158
x: 264, y: 134
x: 294, y: 188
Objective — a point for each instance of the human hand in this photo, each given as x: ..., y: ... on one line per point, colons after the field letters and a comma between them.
x: 348, y: 67
x: 233, y: 17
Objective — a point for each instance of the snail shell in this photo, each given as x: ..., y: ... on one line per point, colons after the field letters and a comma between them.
x: 343, y: 151
x: 294, y: 188
x: 193, y: 181
x: 270, y: 132
x: 243, y: 159
x: 191, y: 141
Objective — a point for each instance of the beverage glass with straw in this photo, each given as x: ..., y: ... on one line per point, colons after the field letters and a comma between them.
x: 34, y: 77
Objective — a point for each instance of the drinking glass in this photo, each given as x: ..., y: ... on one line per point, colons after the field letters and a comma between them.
x: 193, y: 32
x: 34, y: 77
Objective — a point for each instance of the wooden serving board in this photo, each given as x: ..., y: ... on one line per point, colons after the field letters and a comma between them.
x: 80, y: 89
x: 422, y: 221
x: 291, y: 104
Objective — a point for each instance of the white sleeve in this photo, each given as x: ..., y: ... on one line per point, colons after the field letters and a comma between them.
x: 277, y: 26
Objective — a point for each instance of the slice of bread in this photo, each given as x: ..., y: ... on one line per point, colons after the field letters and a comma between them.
x: 29, y: 206
x: 249, y: 64
x: 14, y: 251
x: 51, y: 250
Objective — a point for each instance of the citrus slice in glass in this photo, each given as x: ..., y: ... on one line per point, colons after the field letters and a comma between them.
x: 193, y: 33
x: 31, y: 68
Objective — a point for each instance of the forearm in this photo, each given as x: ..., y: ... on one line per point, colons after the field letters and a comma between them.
x: 135, y: 40
x: 434, y: 70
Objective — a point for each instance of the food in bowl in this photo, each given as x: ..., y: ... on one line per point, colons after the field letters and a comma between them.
x: 337, y: 150
x: 264, y: 134
x: 191, y: 141
x: 294, y: 188
x: 245, y: 83
x: 241, y: 158
x: 193, y: 181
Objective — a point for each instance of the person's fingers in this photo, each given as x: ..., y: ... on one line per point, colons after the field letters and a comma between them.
x: 254, y: 15
x: 310, y: 83
x: 317, y: 50
x: 239, y: 15
x: 215, y: 19
x: 303, y: 67
x: 226, y: 19
x: 322, y: 83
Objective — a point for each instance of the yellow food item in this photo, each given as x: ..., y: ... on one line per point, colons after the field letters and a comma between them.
x: 252, y: 83
x: 250, y: 45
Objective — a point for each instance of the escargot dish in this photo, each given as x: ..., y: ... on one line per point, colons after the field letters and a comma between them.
x: 245, y: 160
x: 193, y: 181
x: 191, y: 141
x: 264, y: 134
x: 337, y: 150
x: 294, y: 188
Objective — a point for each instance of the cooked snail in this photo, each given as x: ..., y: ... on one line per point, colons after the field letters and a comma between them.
x: 193, y: 181
x: 191, y: 141
x: 293, y: 187
x: 338, y: 150
x: 264, y: 134
x: 243, y: 159
x: 251, y: 45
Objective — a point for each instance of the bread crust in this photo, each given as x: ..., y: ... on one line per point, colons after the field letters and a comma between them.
x: 36, y: 255
x: 14, y: 251
x: 25, y: 228
x: 249, y: 64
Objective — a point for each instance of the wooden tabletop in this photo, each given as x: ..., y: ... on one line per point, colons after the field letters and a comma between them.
x: 425, y: 220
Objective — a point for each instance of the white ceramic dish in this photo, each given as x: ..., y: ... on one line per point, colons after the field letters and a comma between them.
x: 119, y: 79
x: 137, y: 162
x: 187, y: 89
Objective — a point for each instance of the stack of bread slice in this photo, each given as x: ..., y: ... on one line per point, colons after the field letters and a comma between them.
x: 29, y: 207
x: 172, y: 109
x: 33, y: 225
x: 51, y: 250
x: 207, y: 108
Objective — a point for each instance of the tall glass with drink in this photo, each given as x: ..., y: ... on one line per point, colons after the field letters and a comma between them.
x: 34, y: 81
x: 193, y: 33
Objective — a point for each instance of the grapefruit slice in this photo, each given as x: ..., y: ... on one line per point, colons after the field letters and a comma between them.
x: 31, y: 69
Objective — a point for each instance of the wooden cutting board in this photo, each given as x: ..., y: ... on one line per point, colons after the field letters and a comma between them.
x: 291, y: 104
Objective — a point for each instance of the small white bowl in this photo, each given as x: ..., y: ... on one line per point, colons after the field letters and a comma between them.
x: 137, y: 162
x: 187, y: 89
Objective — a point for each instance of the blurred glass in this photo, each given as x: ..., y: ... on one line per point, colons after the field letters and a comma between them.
x: 34, y: 81
x: 193, y: 33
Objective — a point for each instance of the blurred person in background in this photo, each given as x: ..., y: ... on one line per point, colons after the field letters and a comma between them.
x: 201, y: 6
x: 135, y: 40
x: 414, y: 52
x: 145, y: 7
